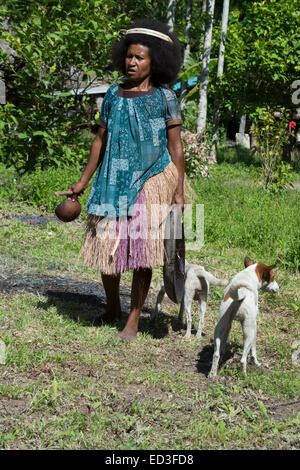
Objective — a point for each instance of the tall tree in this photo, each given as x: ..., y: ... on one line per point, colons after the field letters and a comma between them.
x: 187, y: 49
x: 220, y: 71
x: 171, y: 14
x: 204, y: 76
x: 188, y: 19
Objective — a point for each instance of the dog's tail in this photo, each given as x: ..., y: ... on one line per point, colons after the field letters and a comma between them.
x: 200, y: 272
x: 235, y: 288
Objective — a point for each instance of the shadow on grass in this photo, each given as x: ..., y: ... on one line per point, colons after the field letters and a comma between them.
x: 83, y: 301
x: 88, y: 311
x: 161, y: 325
x: 205, y: 356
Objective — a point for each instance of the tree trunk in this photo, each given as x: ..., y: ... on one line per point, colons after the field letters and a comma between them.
x: 225, y: 14
x: 171, y: 14
x: 202, y: 106
x: 242, y: 125
x: 187, y: 31
x: 241, y: 138
x: 187, y: 48
x: 2, y: 89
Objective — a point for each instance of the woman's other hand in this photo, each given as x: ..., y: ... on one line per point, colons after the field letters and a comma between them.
x: 77, y: 188
x: 179, y: 199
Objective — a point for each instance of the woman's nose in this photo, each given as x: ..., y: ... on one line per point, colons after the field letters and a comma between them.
x: 132, y: 61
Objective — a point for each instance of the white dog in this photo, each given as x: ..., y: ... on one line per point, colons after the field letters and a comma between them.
x: 196, y: 287
x: 240, y: 302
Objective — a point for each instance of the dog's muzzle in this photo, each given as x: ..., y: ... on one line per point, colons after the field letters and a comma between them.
x: 272, y: 287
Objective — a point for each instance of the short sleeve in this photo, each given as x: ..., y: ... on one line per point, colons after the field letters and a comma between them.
x: 172, y: 110
x: 105, y: 107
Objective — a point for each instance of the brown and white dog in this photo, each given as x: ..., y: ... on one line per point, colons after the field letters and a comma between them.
x: 240, y: 302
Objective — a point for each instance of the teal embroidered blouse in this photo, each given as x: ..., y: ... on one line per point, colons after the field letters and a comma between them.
x: 136, y: 146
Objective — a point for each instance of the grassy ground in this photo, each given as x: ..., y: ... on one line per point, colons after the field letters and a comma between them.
x: 69, y: 383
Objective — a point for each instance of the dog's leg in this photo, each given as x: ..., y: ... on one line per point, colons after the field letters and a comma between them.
x: 203, y: 303
x: 222, y: 330
x: 221, y: 335
x: 159, y: 300
x: 249, y: 339
x: 253, y: 348
x: 188, y: 299
x: 216, y: 358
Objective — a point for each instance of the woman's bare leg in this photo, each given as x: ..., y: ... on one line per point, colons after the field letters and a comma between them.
x: 111, y: 287
x: 139, y: 290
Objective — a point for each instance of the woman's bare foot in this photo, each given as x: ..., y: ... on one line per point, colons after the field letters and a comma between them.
x: 128, y: 334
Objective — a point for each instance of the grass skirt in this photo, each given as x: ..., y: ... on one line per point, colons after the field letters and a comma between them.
x: 114, y: 245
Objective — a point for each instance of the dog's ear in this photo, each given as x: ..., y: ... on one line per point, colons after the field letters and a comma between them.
x: 264, y: 272
x: 271, y: 267
x: 248, y: 261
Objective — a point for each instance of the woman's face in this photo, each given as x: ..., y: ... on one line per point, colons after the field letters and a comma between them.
x: 138, y: 62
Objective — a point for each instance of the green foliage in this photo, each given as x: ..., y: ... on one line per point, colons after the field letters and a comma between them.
x: 272, y: 134
x: 283, y: 178
x: 9, y: 185
x: 37, y: 188
x: 261, y: 59
x: 196, y: 154
x: 242, y: 216
x: 189, y: 116
x: 27, y: 142
x: 237, y: 154
x: 58, y: 47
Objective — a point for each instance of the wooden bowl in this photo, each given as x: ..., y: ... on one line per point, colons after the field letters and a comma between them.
x: 68, y: 210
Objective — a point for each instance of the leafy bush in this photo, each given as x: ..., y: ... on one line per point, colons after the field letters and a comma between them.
x: 249, y: 218
x: 38, y: 187
x: 9, y: 185
x: 27, y: 145
x: 272, y: 134
x: 56, y: 48
x: 237, y: 154
x: 196, y: 155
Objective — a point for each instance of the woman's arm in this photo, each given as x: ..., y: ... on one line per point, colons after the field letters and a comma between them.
x: 176, y: 151
x: 96, y: 153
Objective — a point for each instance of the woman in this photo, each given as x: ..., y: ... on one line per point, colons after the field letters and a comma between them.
x: 142, y: 167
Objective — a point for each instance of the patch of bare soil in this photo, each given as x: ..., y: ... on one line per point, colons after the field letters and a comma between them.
x: 281, y: 410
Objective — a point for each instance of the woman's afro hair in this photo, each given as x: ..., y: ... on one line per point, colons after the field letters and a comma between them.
x: 165, y: 55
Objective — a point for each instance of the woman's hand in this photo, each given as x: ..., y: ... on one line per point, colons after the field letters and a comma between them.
x: 179, y: 199
x: 176, y: 152
x: 77, y: 188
